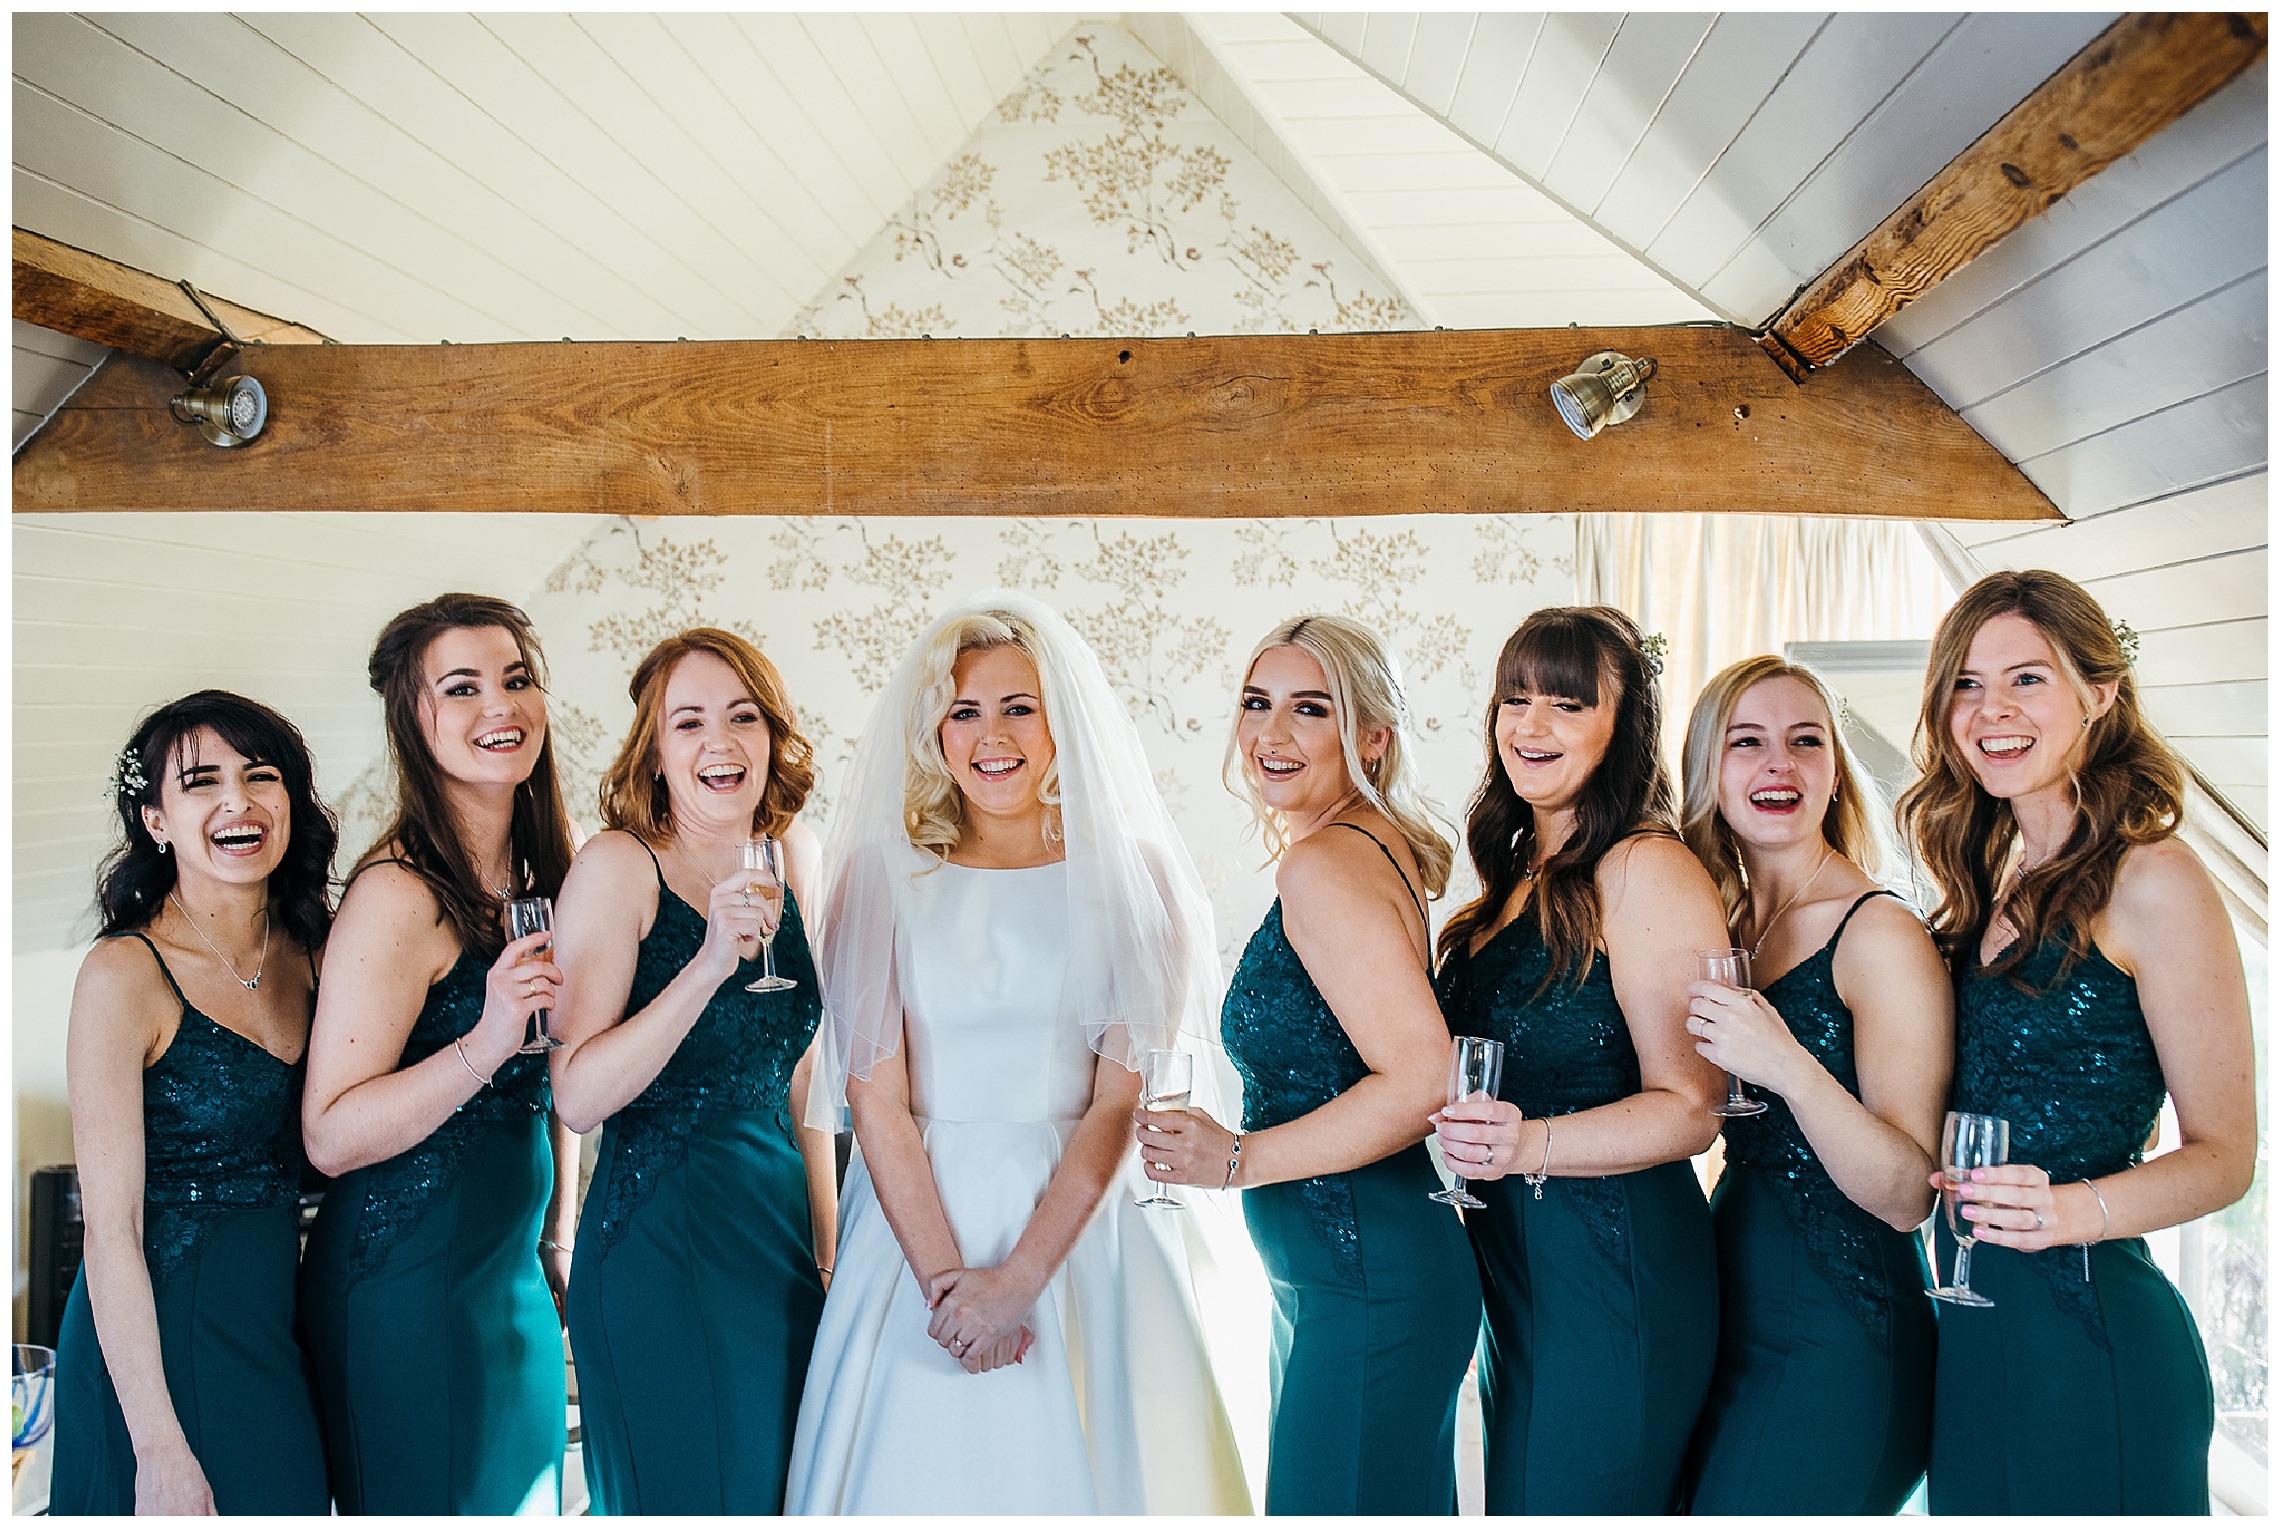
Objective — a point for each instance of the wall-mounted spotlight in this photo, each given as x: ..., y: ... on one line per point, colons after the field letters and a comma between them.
x: 228, y: 413
x: 1604, y: 389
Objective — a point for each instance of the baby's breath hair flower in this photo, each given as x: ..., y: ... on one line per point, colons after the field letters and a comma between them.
x: 2127, y: 635
x: 127, y: 776
x: 1656, y: 646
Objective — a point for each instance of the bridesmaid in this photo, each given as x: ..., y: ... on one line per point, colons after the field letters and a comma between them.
x: 179, y: 1386
x: 438, y: 1348
x: 1822, y: 1399
x: 1330, y: 1020
x: 700, y: 1270
x: 2096, y: 972
x: 1596, y: 1264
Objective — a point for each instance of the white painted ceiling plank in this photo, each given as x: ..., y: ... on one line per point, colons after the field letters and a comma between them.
x: 2207, y: 710
x: 1495, y: 63
x: 2216, y: 436
x: 68, y: 147
x: 1411, y: 243
x: 1437, y: 59
x: 59, y: 347
x: 1649, y: 56
x: 38, y: 382
x: 230, y: 102
x: 2234, y: 761
x: 1387, y: 37
x: 1855, y: 61
x: 858, y: 133
x: 1568, y: 58
x: 2232, y: 587
x: 846, y: 50
x: 2207, y: 140
x: 1965, y: 86
x: 908, y: 61
x: 2198, y: 243
x: 1345, y: 28
x: 1738, y: 65
x: 2206, y: 345
x: 2225, y: 517
x: 942, y: 36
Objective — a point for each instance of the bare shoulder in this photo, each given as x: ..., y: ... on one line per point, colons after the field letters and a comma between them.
x: 1885, y: 940
x: 389, y: 907
x: 1656, y: 864
x: 801, y: 839
x: 120, y: 971
x: 1890, y: 924
x: 613, y: 853
x: 1327, y: 866
x: 2163, y: 897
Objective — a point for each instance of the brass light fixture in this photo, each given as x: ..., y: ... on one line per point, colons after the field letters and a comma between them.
x: 228, y: 413
x: 1604, y: 389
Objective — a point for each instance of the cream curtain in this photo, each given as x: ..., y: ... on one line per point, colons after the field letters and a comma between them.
x: 1725, y: 587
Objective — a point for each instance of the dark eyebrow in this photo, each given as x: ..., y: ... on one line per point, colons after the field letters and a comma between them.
x: 1016, y: 695
x: 1252, y: 689
x: 188, y: 770
x: 1751, y: 726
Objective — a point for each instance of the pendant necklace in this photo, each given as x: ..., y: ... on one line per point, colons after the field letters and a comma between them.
x: 1767, y: 932
x: 250, y: 983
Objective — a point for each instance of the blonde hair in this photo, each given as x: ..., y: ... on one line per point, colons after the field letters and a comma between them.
x: 2128, y: 789
x: 1851, y: 825
x: 934, y: 809
x: 1365, y: 695
x: 634, y: 795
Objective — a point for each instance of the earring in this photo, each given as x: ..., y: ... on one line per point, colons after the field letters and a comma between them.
x: 161, y: 845
x: 2085, y: 721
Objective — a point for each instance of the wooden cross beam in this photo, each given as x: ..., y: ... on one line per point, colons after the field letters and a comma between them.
x: 2136, y: 77
x: 1344, y: 424
x: 73, y: 292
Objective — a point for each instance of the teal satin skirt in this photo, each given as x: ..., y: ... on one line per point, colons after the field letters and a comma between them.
x: 1376, y: 1313
x: 2038, y: 1409
x: 440, y: 1371
x: 1813, y: 1409
x: 1602, y: 1329
x: 692, y: 1321
x: 238, y: 1380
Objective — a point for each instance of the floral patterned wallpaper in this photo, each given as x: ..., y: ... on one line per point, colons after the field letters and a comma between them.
x: 1101, y: 197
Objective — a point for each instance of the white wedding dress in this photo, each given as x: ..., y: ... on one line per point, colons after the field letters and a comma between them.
x: 1114, y: 1410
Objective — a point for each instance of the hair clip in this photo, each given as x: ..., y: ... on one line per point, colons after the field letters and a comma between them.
x: 1655, y: 646
x: 2127, y: 635
x: 127, y: 775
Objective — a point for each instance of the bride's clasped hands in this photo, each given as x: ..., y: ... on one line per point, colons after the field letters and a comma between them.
x: 978, y: 1315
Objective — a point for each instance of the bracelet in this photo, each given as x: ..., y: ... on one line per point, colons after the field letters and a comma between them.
x: 2105, y: 1216
x: 1234, y: 1160
x: 460, y: 1045
x: 1535, y: 1180
x: 551, y: 1246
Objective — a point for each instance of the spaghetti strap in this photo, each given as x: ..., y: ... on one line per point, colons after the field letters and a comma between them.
x: 1864, y: 899
x: 1397, y: 870
x: 162, y: 967
x: 655, y: 863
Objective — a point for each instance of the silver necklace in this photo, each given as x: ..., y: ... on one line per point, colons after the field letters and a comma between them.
x: 250, y: 983
x: 1767, y: 932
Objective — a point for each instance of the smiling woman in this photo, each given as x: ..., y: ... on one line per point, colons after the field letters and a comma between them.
x: 438, y: 1349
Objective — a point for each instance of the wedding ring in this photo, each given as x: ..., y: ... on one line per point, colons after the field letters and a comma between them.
x: 2040, y: 1223
x: 1490, y: 1159
x: 746, y: 894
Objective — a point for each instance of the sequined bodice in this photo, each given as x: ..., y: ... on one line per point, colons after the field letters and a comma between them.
x: 1839, y: 1236
x: 398, y: 1191
x: 739, y: 1055
x: 1293, y: 1057
x: 1289, y: 1048
x: 221, y: 1133
x: 1566, y: 1048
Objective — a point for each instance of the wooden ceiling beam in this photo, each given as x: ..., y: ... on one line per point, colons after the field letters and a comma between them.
x: 2138, y: 76
x: 1345, y: 424
x: 73, y: 292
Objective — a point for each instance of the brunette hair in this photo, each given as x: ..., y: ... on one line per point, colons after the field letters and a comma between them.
x: 634, y: 795
x: 1577, y: 652
x: 425, y: 836
x: 135, y: 877
x: 1850, y: 823
x: 2128, y: 788
x: 1365, y: 696
x: 934, y: 809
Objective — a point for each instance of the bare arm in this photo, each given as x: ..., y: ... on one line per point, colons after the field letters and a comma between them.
x: 1657, y: 907
x: 1878, y: 1147
x: 386, y: 950
x: 2167, y: 928
x: 1351, y: 924
x: 901, y: 1173
x: 819, y: 1155
x: 121, y: 1014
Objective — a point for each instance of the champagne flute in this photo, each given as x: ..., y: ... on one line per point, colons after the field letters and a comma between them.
x: 1167, y: 1079
x: 532, y: 915
x: 1729, y: 968
x: 1966, y: 1141
x: 1476, y: 1066
x: 763, y: 856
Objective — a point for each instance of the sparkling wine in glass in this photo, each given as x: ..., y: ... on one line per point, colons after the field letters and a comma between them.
x: 765, y: 856
x: 1966, y: 1141
x: 1167, y: 1079
x: 1729, y: 968
x: 1476, y: 1066
x: 532, y: 915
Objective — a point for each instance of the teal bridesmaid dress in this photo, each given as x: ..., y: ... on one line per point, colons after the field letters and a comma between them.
x: 1602, y: 1295
x: 1376, y: 1304
x: 694, y: 1296
x: 221, y: 1194
x: 1822, y: 1399
x: 2084, y: 1388
x: 437, y: 1345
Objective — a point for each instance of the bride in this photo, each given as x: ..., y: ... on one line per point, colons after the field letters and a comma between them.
x: 1012, y: 922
